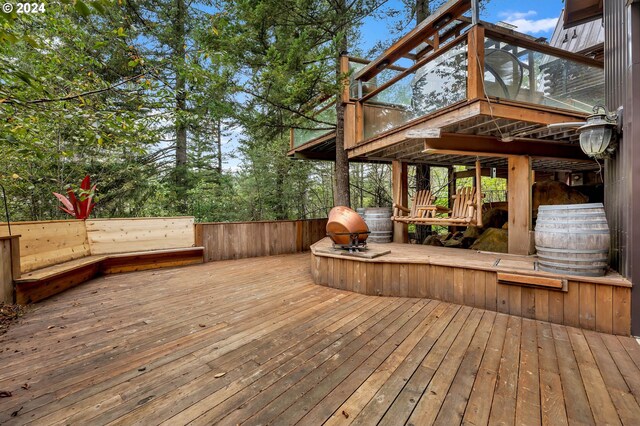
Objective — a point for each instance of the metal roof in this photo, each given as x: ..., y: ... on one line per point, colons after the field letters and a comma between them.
x: 583, y: 38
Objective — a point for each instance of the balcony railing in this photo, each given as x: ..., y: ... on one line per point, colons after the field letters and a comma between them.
x: 321, y: 122
x: 479, y: 63
x: 524, y: 74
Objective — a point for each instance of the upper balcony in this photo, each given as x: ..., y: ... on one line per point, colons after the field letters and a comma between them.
x: 456, y: 79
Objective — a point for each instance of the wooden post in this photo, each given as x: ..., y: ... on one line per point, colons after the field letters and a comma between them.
x: 359, y: 125
x: 291, y: 138
x: 350, y: 125
x: 475, y: 64
x: 299, y: 237
x: 9, y: 267
x: 519, y: 197
x: 400, y: 186
x: 344, y: 69
x: 479, y: 193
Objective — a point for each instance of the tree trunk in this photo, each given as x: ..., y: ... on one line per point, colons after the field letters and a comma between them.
x: 422, y: 10
x: 423, y: 181
x: 423, y: 171
x: 181, y: 106
x: 342, y: 196
x: 219, y: 145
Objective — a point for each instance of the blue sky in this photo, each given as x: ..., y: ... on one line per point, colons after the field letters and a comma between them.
x: 536, y: 18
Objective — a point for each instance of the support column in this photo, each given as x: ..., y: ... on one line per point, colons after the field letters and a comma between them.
x: 519, y: 197
x: 399, y: 182
x: 9, y: 267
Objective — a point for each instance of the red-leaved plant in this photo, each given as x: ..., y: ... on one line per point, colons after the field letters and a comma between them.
x: 78, y: 205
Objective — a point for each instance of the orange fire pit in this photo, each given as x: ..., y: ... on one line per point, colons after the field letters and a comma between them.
x: 346, y: 228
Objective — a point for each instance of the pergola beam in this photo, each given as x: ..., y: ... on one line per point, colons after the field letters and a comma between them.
x: 483, y: 146
x: 445, y: 14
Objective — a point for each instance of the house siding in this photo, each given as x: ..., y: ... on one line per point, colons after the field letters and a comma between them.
x: 622, y: 173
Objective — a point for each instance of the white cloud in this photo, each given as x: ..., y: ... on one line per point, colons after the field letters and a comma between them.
x: 526, y: 22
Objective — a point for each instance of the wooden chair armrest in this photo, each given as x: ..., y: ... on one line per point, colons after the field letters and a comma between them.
x: 404, y: 209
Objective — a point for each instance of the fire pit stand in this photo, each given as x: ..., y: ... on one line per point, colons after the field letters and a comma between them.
x: 355, y: 244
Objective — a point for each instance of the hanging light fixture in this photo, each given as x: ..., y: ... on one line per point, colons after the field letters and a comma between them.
x: 598, y: 137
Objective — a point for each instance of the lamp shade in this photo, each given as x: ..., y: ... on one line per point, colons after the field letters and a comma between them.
x: 594, y: 140
x: 596, y: 136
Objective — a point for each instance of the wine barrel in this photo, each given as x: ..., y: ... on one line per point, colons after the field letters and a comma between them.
x: 573, y: 239
x: 378, y: 220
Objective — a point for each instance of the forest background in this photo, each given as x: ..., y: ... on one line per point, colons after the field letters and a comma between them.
x: 142, y: 94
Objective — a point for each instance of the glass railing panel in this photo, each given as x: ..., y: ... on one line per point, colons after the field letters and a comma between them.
x: 306, y: 129
x: 436, y: 85
x: 522, y: 74
x: 367, y: 86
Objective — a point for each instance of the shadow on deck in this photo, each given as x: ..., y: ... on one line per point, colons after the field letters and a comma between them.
x: 254, y: 340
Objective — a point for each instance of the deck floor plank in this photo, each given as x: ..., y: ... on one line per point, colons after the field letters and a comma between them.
x: 254, y: 341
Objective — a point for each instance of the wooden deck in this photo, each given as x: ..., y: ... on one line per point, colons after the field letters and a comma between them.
x: 255, y: 341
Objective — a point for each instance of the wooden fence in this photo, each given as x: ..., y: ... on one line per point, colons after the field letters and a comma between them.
x: 237, y: 240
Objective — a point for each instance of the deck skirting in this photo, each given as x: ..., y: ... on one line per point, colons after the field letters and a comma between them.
x: 598, y: 304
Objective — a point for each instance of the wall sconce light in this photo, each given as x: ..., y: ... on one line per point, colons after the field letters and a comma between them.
x: 599, y: 135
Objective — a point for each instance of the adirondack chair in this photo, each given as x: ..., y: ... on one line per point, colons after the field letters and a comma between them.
x: 422, y: 207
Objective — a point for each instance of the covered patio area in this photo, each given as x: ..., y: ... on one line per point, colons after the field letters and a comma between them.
x: 254, y: 341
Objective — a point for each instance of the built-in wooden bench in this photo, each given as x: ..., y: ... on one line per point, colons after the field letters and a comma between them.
x: 57, y: 255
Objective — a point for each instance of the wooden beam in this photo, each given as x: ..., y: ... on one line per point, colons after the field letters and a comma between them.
x: 437, y: 52
x: 399, y: 181
x: 453, y: 32
x: 466, y: 110
x: 519, y: 198
x: 578, y: 12
x: 445, y: 14
x: 448, y: 116
x: 530, y: 113
x: 475, y: 64
x: 313, y: 142
x: 486, y: 172
x: 367, y: 61
x: 487, y: 146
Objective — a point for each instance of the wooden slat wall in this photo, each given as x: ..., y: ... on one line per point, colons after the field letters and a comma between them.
x: 240, y: 240
x: 47, y: 243
x: 591, y: 306
x: 108, y: 236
